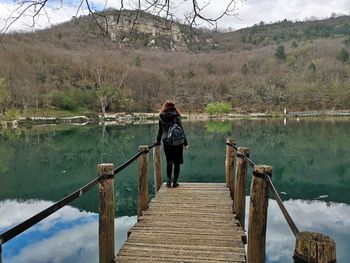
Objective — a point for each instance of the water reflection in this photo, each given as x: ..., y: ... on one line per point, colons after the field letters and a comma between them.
x: 310, y: 159
x: 69, y: 235
x: 317, y: 216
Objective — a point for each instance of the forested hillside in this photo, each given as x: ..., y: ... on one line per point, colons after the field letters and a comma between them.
x: 301, y: 66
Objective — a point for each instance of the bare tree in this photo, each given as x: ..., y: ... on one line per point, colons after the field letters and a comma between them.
x: 107, y: 89
x: 5, y: 96
x: 195, y: 12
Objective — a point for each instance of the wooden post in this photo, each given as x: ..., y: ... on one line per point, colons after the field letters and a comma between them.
x: 157, y: 168
x: 241, y: 178
x: 259, y: 199
x: 314, y: 247
x: 230, y: 162
x: 107, y: 213
x: 142, y: 198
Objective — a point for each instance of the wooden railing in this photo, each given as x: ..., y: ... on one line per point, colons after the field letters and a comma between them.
x: 309, y: 246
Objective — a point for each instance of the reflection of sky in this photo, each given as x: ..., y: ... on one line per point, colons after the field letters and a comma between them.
x: 332, y: 219
x: 68, y: 235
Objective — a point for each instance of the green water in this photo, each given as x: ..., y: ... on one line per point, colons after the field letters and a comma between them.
x: 310, y: 160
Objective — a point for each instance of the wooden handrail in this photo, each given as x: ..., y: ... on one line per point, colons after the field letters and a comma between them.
x: 106, y: 213
x: 142, y: 198
x: 309, y: 246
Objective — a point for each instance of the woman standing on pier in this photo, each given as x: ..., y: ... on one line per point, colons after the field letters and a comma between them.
x: 171, y: 133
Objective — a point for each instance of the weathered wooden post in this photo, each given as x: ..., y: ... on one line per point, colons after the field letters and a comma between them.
x: 142, y: 198
x: 259, y: 199
x: 230, y: 163
x: 241, y: 179
x: 107, y: 213
x: 157, y: 168
x: 314, y: 247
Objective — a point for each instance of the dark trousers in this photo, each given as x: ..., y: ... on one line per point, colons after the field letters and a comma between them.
x: 169, y: 168
x: 174, y: 157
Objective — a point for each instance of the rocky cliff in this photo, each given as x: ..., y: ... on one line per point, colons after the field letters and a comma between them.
x: 152, y: 31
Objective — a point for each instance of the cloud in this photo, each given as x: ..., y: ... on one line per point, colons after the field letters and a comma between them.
x: 317, y: 216
x: 53, y: 13
x: 254, y: 11
x: 250, y: 12
x: 72, y: 235
x: 14, y: 212
x: 69, y: 235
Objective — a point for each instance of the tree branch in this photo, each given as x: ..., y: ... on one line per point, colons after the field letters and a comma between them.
x: 164, y: 8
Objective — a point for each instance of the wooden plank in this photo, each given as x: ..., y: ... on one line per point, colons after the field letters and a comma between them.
x: 202, y: 185
x: 186, y: 202
x: 191, y: 223
x: 183, y: 254
x: 225, y: 235
x: 157, y: 259
x: 188, y: 247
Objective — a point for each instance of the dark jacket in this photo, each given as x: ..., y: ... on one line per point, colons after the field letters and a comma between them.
x: 166, y: 119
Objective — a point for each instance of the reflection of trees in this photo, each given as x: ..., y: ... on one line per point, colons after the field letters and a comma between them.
x: 7, y: 140
x: 218, y: 126
x: 66, y: 159
x: 12, y: 135
x: 309, y: 158
x: 6, y: 154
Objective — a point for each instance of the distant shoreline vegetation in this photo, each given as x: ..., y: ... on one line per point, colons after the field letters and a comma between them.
x: 139, y: 117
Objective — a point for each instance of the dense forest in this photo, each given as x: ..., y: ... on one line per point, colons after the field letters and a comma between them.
x: 267, y: 67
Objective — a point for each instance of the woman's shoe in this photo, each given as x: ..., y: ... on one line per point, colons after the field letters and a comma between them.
x: 175, y: 185
x: 168, y: 184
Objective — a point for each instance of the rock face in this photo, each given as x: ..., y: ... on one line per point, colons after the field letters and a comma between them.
x: 150, y: 31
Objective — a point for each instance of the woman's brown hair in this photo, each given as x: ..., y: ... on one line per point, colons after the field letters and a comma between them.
x: 169, y: 106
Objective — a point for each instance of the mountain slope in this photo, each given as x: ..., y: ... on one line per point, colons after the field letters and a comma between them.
x: 72, y: 66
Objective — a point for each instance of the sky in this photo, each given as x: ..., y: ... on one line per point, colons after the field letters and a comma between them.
x: 71, y: 235
x: 248, y: 12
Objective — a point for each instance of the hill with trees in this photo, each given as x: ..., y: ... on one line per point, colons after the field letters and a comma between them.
x: 75, y: 66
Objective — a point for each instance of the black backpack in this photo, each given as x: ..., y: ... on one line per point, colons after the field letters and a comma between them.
x: 175, y: 135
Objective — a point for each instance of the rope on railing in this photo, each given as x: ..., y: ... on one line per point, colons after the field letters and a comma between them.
x: 133, y: 158
x: 11, y: 233
x: 153, y: 145
x: 16, y: 230
x: 128, y: 162
x: 290, y: 221
x: 288, y: 218
x: 250, y: 162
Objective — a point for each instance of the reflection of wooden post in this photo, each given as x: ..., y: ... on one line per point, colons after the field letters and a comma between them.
x: 142, y: 199
x: 157, y: 168
x: 230, y: 160
x: 259, y: 199
x: 107, y: 213
x: 241, y: 178
x: 314, y: 247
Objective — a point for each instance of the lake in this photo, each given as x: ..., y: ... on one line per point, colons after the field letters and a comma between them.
x: 42, y: 164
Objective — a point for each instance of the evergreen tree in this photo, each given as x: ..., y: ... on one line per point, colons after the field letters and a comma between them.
x: 280, y: 54
x: 343, y: 55
x: 312, y: 67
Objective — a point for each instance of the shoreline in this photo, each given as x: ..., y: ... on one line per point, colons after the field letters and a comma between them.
x: 142, y: 117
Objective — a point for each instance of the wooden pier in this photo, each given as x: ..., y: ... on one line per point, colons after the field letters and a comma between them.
x: 196, y: 222
x: 191, y: 223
